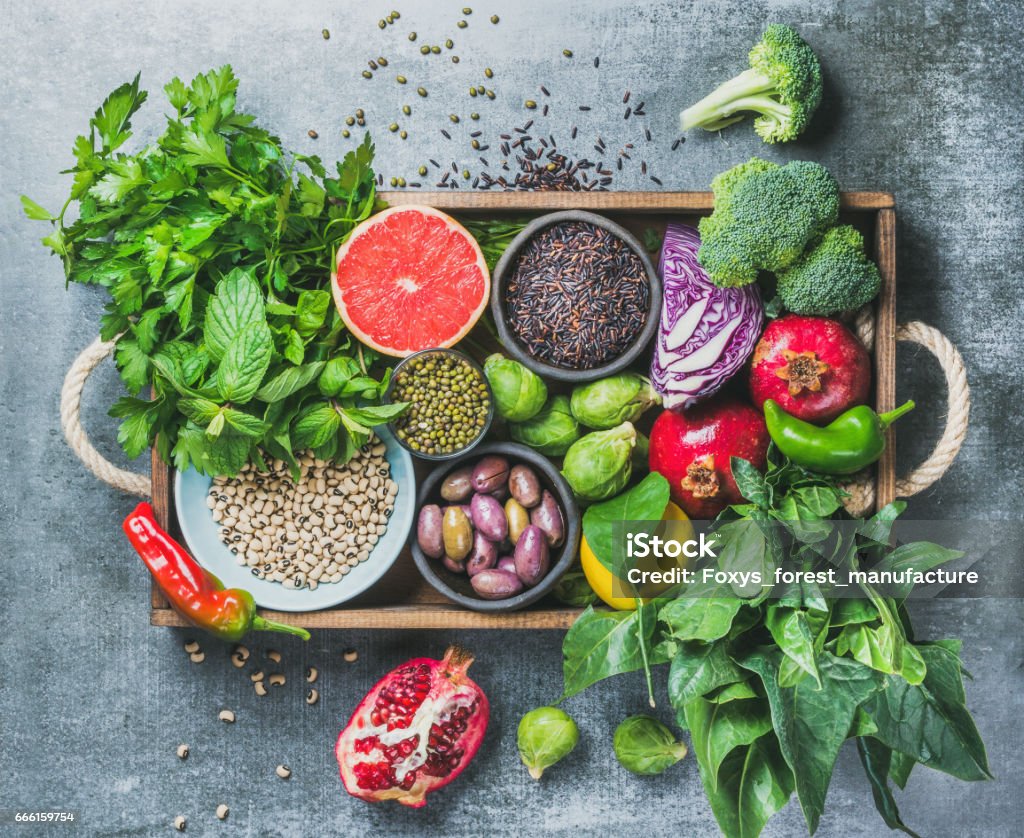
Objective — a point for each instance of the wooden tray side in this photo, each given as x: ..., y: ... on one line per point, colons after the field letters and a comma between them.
x: 402, y: 599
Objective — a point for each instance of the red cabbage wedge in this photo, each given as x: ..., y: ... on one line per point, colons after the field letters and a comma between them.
x: 707, y: 333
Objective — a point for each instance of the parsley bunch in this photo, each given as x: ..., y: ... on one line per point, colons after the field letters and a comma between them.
x: 216, y: 246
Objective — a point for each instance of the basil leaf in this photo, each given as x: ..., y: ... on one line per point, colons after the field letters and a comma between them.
x: 812, y: 722
x: 929, y: 721
x: 237, y: 305
x: 290, y: 380
x: 605, y: 643
x: 601, y: 522
x: 245, y: 363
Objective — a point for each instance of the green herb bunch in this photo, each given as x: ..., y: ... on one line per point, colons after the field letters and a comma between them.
x: 216, y: 246
x: 770, y: 683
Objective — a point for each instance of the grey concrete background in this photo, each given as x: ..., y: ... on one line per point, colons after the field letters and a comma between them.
x: 923, y: 100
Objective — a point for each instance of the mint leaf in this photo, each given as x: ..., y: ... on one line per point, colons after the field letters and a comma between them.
x: 237, y: 304
x: 288, y: 381
x: 245, y: 363
x: 377, y: 414
x: 199, y: 410
x: 311, y: 311
x: 246, y: 423
x: 315, y: 425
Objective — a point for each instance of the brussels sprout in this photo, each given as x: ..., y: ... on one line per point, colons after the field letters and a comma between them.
x: 599, y: 465
x: 546, y: 735
x: 519, y: 393
x: 606, y: 403
x: 551, y: 431
x: 645, y: 746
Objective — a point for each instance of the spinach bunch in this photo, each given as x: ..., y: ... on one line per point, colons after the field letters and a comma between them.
x: 216, y: 246
x: 770, y: 683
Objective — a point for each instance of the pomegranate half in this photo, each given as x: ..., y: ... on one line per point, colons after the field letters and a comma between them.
x: 414, y: 732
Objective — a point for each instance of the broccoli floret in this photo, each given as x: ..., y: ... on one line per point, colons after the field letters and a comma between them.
x: 782, y: 86
x: 835, y: 275
x: 765, y: 216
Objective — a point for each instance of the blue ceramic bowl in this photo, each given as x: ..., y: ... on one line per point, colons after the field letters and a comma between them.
x: 202, y: 536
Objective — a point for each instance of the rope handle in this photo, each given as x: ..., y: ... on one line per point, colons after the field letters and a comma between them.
x: 861, y: 490
x: 74, y: 433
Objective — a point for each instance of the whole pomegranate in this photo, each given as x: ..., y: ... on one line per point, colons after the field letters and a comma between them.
x: 414, y: 732
x: 693, y: 450
x: 814, y: 367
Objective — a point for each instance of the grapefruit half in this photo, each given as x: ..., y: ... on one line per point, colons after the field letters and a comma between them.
x: 410, y: 278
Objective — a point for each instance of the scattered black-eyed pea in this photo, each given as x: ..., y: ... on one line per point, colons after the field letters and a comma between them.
x: 222, y: 811
x: 313, y: 696
x: 179, y: 823
x: 274, y: 655
x: 283, y: 771
x: 239, y: 656
x: 350, y: 655
x: 191, y: 646
x: 257, y: 675
x: 197, y: 657
x: 226, y: 716
x: 276, y: 679
x: 261, y: 688
x: 182, y: 751
x: 311, y: 674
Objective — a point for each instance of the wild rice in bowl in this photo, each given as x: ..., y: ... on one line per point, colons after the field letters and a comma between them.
x: 311, y: 532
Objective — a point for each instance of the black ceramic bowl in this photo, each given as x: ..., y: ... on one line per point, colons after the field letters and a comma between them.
x: 507, y: 265
x: 456, y: 586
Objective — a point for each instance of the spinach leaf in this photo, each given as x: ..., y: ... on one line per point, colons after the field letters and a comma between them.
x: 605, y: 643
x: 919, y: 555
x: 717, y: 729
x: 793, y: 635
x: 812, y: 722
x: 602, y: 522
x: 929, y: 721
x: 876, y: 759
x: 700, y: 617
x: 753, y: 784
x: 699, y: 668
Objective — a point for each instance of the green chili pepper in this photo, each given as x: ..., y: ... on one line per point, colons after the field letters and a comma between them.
x: 852, y: 441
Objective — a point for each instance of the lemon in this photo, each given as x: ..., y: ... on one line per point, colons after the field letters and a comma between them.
x: 600, y: 578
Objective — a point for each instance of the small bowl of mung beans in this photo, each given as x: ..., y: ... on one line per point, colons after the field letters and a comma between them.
x: 450, y: 404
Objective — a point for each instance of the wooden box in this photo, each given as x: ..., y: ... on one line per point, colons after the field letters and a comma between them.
x: 402, y: 599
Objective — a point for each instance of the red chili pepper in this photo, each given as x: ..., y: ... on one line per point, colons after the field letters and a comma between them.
x: 193, y: 592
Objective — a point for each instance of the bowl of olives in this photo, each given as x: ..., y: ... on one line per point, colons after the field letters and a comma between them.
x: 496, y: 529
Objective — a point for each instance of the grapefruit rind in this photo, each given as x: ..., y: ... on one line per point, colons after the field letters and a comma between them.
x: 410, y: 278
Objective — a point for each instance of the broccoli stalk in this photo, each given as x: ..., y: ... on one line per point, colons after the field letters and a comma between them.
x: 782, y: 86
